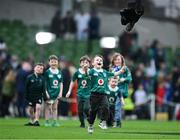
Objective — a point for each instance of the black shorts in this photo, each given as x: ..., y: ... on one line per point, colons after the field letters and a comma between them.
x: 33, y: 103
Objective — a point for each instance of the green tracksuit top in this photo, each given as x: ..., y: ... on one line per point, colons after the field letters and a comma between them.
x: 35, y: 87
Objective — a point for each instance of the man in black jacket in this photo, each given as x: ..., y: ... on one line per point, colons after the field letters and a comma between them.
x: 131, y: 14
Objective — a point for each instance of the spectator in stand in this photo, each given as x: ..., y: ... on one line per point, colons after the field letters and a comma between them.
x: 93, y: 30
x: 140, y: 98
x: 8, y: 89
x: 175, y: 82
x: 22, y: 73
x: 69, y: 26
x: 82, y: 20
x: 138, y: 75
x: 56, y: 24
x: 63, y: 103
x: 160, y: 93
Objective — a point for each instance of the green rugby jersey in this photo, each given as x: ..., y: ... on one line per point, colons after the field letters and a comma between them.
x: 35, y: 87
x: 84, y: 84
x: 99, y: 80
x: 112, y: 94
x: 53, y: 80
x: 123, y: 86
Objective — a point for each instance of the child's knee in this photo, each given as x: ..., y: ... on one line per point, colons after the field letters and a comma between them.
x: 38, y: 107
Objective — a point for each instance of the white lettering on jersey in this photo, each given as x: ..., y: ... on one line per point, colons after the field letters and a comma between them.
x: 79, y: 76
x: 95, y: 74
x: 50, y: 76
x: 59, y: 76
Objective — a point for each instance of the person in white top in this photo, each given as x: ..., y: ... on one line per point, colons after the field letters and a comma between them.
x: 82, y: 20
x: 140, y: 97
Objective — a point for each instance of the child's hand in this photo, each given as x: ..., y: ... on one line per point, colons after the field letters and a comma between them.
x: 47, y: 96
x: 68, y: 94
x: 123, y: 68
x: 59, y: 96
x: 122, y: 101
x: 121, y: 79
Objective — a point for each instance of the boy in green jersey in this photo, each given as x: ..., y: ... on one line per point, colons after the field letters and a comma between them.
x: 113, y: 93
x: 34, y: 93
x: 54, y: 88
x: 83, y: 91
x: 98, y: 99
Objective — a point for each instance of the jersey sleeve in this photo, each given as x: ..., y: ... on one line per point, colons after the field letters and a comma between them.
x: 128, y: 77
x: 90, y: 72
x: 109, y: 74
x: 75, y: 76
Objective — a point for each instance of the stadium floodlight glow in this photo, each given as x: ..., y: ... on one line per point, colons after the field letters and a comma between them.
x: 108, y: 42
x: 44, y: 38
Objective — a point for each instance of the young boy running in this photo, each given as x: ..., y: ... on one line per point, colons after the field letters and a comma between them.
x: 54, y: 88
x: 98, y: 99
x: 34, y: 93
x: 83, y: 92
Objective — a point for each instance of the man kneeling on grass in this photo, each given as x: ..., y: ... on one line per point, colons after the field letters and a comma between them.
x: 34, y: 92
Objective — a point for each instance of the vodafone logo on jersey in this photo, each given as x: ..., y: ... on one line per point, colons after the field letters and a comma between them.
x: 84, y: 82
x: 55, y: 82
x: 100, y: 82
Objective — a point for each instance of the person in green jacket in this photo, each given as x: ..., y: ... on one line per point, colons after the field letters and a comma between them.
x: 35, y: 90
x: 83, y: 91
x: 116, y: 63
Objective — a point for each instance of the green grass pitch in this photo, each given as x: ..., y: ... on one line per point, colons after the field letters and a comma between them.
x: 69, y: 129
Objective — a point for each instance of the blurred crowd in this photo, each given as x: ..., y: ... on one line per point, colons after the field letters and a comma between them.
x: 152, y: 71
x: 82, y: 26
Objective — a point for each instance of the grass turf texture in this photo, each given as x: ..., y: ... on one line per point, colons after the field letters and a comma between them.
x: 69, y: 129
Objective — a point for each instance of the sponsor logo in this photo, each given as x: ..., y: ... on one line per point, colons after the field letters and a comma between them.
x: 100, y: 82
x: 111, y: 99
x: 55, y: 82
x: 84, y: 82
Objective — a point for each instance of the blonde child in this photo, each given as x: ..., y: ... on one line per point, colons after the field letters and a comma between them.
x: 117, y: 62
